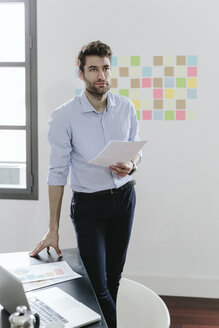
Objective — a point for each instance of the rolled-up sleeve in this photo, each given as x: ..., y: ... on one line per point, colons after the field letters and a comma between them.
x: 59, y: 137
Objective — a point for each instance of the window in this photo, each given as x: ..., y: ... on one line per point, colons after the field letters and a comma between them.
x: 18, y: 100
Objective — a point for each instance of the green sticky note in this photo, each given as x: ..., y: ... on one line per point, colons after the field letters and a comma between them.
x: 138, y: 113
x: 124, y: 92
x: 169, y: 115
x: 180, y: 82
x: 135, y: 60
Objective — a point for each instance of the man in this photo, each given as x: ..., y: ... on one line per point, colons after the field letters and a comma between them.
x: 103, y: 199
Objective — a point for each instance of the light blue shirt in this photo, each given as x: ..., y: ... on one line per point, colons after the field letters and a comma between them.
x: 77, y: 133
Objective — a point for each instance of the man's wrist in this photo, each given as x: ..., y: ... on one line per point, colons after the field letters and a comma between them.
x: 134, y: 167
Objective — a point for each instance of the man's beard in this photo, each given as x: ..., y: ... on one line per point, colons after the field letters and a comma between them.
x: 97, y: 92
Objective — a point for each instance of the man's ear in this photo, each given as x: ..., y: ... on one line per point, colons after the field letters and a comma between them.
x: 80, y: 75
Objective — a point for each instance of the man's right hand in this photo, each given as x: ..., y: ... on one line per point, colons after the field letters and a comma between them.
x: 51, y: 238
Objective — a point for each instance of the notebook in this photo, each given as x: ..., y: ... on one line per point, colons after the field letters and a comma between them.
x: 54, y: 304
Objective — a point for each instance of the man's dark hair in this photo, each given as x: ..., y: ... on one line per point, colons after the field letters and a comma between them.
x: 97, y: 48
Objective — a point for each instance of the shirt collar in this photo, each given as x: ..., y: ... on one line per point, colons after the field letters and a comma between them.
x: 87, y: 107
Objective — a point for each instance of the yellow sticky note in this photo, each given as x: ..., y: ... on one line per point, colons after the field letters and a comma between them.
x: 114, y: 90
x: 169, y: 93
x: 169, y: 61
x: 181, y: 71
x: 192, y: 82
x: 136, y: 103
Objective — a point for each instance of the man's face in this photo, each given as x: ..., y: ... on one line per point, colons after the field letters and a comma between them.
x: 96, y: 75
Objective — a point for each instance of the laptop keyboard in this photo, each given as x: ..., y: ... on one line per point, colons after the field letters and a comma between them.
x: 46, y: 314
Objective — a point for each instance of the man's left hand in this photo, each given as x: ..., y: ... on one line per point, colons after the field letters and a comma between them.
x: 122, y: 169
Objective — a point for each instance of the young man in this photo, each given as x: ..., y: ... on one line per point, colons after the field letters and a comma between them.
x: 103, y: 199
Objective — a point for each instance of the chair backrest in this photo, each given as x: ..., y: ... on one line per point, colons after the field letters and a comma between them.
x: 140, y: 307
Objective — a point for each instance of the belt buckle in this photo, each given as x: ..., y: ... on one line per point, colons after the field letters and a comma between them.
x: 113, y: 191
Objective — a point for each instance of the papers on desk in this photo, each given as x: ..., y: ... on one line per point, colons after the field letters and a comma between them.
x: 38, y: 276
x: 118, y: 151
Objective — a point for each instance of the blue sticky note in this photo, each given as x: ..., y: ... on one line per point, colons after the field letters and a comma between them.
x: 114, y: 61
x: 158, y: 115
x: 146, y: 71
x: 191, y: 93
x: 76, y: 72
x: 169, y: 82
x: 78, y: 92
x: 192, y: 60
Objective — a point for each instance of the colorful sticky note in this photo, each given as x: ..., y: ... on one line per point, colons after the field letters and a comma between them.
x: 124, y: 92
x: 181, y: 82
x: 180, y: 104
x: 169, y: 82
x: 76, y: 61
x: 158, y: 60
x: 78, y: 92
x: 146, y: 82
x: 180, y: 115
x: 169, y: 93
x: 147, y: 115
x: 158, y: 93
x: 169, y: 115
x: 168, y: 71
x: 191, y: 93
x: 169, y: 61
x: 158, y: 104
x: 123, y: 71
x: 123, y: 60
x: 114, y: 71
x: 114, y: 83
x: 192, y: 82
x: 147, y: 104
x: 180, y: 93
x: 135, y: 83
x: 158, y: 115
x: 169, y: 104
x: 158, y: 82
x: 135, y: 94
x: 135, y: 60
x: 135, y: 71
x: 138, y: 114
x: 192, y: 60
x: 192, y: 71
x: 190, y: 115
x: 136, y: 103
x: 59, y: 271
x: 181, y: 71
x: 76, y: 72
x: 146, y: 71
x: 114, y: 91
x: 114, y: 61
x: 180, y: 60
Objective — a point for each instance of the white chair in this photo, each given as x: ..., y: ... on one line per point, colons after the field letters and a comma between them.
x: 140, y: 307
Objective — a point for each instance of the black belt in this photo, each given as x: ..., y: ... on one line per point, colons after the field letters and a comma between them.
x: 108, y: 191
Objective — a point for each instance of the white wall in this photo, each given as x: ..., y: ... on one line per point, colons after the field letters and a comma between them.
x: 174, y: 246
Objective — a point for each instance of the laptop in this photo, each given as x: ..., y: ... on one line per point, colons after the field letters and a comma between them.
x: 52, y: 304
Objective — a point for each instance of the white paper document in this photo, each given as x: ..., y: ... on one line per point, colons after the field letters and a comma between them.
x: 43, y: 272
x: 118, y: 151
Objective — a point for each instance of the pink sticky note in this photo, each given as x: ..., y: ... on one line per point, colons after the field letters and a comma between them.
x: 76, y: 61
x: 147, y: 115
x: 59, y: 271
x: 192, y: 71
x: 158, y: 93
x: 180, y: 115
x: 146, y: 83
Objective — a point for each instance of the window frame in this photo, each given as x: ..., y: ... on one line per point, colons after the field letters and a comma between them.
x: 31, y: 127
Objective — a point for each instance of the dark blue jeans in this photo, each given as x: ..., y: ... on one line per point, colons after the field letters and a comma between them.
x: 103, y: 224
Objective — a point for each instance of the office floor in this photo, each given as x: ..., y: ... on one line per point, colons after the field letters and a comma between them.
x: 189, y: 312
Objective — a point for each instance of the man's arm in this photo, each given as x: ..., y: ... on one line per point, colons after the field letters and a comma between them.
x: 51, y: 238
